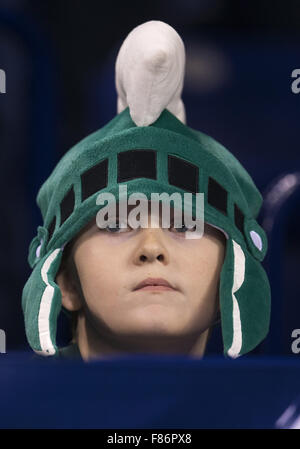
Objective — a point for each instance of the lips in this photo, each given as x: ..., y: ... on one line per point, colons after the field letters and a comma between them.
x: 154, y: 282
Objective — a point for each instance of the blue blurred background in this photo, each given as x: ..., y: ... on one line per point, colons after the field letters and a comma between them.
x: 59, y: 55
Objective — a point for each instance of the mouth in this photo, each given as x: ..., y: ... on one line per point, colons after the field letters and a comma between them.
x: 156, y: 284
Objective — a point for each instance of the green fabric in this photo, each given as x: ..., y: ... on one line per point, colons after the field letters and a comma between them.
x: 167, y: 136
x: 70, y: 352
x: 253, y: 299
x: 32, y: 296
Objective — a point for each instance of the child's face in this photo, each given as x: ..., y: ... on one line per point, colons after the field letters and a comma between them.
x: 110, y: 265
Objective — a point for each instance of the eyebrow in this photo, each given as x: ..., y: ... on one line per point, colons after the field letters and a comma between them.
x: 208, y: 228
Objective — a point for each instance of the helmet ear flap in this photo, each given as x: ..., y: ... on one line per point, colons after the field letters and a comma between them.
x: 245, y: 299
x: 41, y: 310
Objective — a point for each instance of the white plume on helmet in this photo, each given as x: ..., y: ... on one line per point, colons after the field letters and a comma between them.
x: 150, y: 73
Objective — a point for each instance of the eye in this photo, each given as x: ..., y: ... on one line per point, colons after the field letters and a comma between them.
x: 182, y: 229
x: 116, y: 229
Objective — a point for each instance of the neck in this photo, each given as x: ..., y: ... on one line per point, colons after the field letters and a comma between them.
x: 96, y: 345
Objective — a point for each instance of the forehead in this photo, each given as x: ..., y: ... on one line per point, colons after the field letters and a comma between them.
x: 208, y: 228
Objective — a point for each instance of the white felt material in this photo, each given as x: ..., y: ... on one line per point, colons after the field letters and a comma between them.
x: 38, y: 250
x: 45, y: 308
x: 150, y: 73
x: 256, y: 239
x: 238, y: 279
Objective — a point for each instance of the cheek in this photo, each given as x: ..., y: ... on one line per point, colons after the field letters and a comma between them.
x: 204, y: 260
x: 203, y: 267
x: 98, y: 273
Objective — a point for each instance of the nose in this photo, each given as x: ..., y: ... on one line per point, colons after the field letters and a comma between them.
x: 151, y: 247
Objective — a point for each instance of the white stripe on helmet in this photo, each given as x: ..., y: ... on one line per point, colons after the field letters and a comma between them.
x: 45, y: 308
x: 238, y: 279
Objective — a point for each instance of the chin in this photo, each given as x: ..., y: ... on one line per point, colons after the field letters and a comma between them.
x: 159, y: 327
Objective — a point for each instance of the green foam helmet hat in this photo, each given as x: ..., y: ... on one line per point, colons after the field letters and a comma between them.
x: 148, y: 147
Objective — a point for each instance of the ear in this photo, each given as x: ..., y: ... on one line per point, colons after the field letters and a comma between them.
x: 70, y: 297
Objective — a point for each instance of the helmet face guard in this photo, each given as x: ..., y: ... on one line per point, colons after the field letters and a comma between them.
x: 166, y: 157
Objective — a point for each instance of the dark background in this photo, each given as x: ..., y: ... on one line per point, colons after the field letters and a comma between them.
x: 59, y: 60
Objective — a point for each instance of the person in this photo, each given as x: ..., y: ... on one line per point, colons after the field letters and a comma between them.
x: 101, y: 270
x: 150, y: 289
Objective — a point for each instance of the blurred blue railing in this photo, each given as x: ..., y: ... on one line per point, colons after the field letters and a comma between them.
x: 281, y: 202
